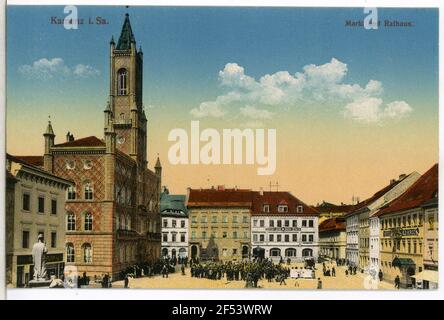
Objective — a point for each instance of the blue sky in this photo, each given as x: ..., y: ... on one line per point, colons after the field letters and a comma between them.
x: 185, y: 48
x: 374, y: 91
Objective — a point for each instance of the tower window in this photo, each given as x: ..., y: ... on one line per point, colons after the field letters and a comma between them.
x: 122, y: 83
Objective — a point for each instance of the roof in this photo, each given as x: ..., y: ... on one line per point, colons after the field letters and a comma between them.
x: 174, y: 202
x: 220, y: 198
x: 31, y: 160
x: 126, y: 35
x: 326, y: 207
x: 363, y: 205
x: 423, y: 190
x: 91, y: 141
x: 276, y: 198
x: 333, y: 224
x: 36, y: 170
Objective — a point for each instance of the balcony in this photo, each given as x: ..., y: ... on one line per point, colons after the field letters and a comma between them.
x: 123, y: 234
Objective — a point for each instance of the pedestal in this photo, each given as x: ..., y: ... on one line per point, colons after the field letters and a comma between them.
x: 39, y: 283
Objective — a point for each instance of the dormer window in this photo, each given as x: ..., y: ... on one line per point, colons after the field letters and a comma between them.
x: 300, y: 209
x: 266, y: 208
x: 122, y: 83
x: 282, y: 208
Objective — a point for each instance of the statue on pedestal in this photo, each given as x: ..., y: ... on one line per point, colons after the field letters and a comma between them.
x: 39, y: 251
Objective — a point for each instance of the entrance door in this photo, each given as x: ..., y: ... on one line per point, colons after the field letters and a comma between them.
x: 193, y: 251
x: 20, y: 280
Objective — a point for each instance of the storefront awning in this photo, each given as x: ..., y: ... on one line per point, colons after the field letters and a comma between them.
x: 428, y: 275
x: 398, y: 262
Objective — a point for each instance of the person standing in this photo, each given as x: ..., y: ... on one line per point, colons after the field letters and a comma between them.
x: 126, y: 281
x: 333, y: 272
x: 380, y: 275
x: 319, y: 283
x: 397, y: 282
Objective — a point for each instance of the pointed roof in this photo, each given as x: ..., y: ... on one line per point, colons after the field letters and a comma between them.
x: 49, y: 130
x: 158, y: 165
x: 126, y: 36
x: 422, y: 191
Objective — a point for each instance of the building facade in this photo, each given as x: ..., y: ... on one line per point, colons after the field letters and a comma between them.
x: 365, y: 210
x: 112, y: 211
x: 403, y: 183
x: 174, y: 225
x: 402, y: 230
x: 329, y: 210
x: 352, y: 239
x: 38, y: 200
x: 219, y: 223
x: 332, y: 239
x: 283, y: 227
x: 431, y: 234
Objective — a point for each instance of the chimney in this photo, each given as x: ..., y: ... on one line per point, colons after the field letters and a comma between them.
x: 402, y: 176
x: 67, y: 136
x: 221, y: 188
x: 71, y: 137
x: 261, y: 191
x: 392, y: 181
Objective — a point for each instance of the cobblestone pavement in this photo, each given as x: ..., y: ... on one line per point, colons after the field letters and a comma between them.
x: 179, y: 281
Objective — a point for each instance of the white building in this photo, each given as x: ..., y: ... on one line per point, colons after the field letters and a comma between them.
x: 38, y: 200
x: 403, y: 183
x: 284, y: 227
x: 362, y: 225
x: 174, y: 225
x: 352, y: 245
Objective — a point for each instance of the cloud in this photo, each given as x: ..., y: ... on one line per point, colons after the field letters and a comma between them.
x: 85, y: 71
x: 314, y: 85
x: 370, y: 110
x: 56, y: 68
x: 254, y: 113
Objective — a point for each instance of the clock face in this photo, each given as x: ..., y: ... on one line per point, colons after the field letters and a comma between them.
x: 70, y: 164
x: 87, y: 164
x: 120, y: 139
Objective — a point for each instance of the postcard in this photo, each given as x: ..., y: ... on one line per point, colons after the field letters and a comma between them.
x: 221, y: 147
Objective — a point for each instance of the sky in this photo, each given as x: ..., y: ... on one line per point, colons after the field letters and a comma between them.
x: 352, y: 108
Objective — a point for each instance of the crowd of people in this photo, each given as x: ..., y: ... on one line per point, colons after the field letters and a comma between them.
x: 249, y: 271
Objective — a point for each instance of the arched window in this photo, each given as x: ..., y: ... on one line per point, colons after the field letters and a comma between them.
x: 71, y: 222
x: 88, y: 221
x: 128, y: 223
x: 88, y: 190
x: 122, y: 82
x: 70, y: 253
x: 87, y: 253
x: 71, y: 193
x: 122, y: 222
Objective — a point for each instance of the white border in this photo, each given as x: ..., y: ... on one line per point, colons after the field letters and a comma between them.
x: 220, y: 294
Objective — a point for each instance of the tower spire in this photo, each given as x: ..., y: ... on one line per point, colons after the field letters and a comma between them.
x: 126, y: 35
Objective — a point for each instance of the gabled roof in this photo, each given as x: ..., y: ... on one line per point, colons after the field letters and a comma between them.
x: 91, y: 141
x: 362, y: 206
x: 333, y: 224
x: 31, y: 160
x: 326, y: 207
x: 126, y: 36
x: 276, y: 198
x: 423, y: 190
x: 220, y: 198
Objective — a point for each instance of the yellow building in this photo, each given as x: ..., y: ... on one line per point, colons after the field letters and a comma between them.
x: 402, y: 231
x: 329, y: 210
x: 219, y: 223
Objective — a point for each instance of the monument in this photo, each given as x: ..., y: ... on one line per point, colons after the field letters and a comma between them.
x: 39, y: 251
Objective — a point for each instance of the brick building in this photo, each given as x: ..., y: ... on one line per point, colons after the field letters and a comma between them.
x: 112, y: 212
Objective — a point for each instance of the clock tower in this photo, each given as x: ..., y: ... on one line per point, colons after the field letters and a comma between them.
x: 125, y: 119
